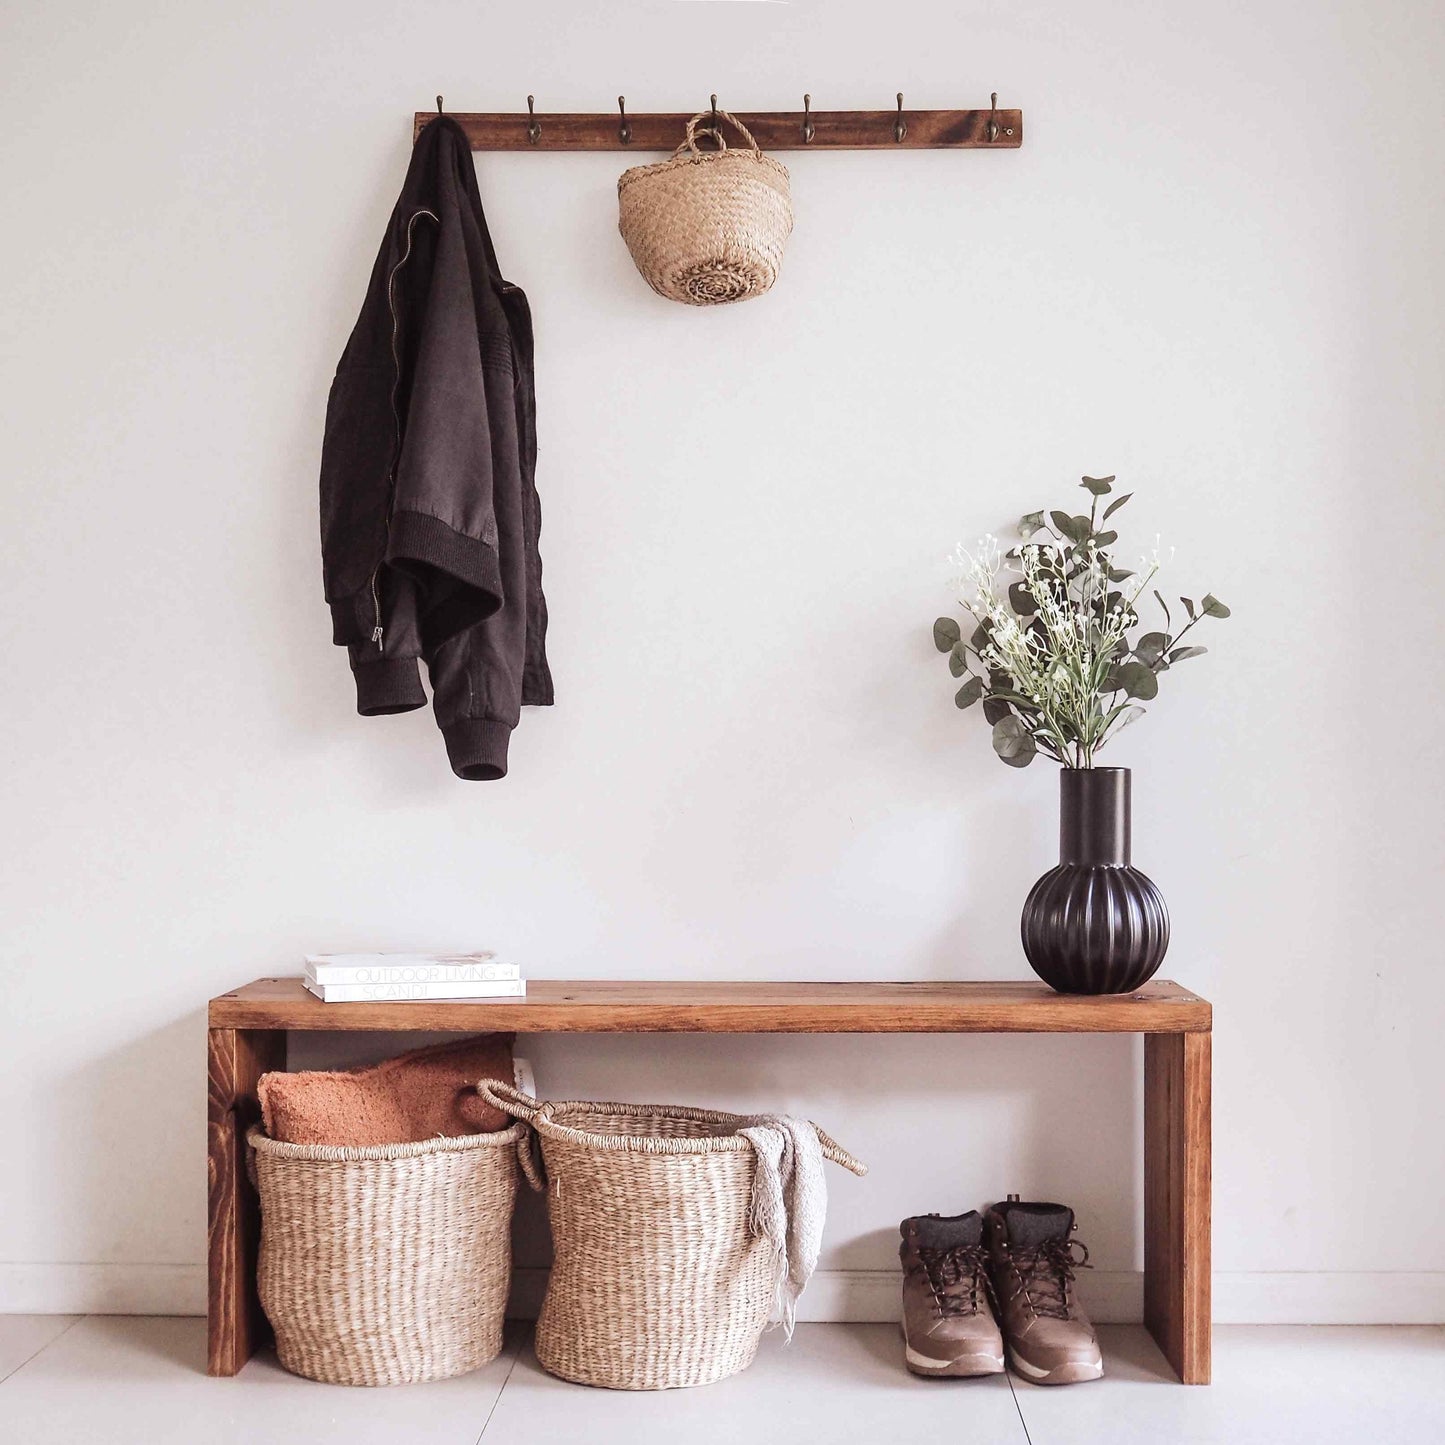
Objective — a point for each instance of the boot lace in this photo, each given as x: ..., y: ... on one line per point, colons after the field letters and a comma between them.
x: 955, y: 1276
x: 1046, y: 1274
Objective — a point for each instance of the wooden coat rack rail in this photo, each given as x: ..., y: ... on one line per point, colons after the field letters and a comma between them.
x: 774, y: 130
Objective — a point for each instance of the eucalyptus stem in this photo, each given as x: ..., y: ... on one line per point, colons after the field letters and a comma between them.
x: 1055, y: 651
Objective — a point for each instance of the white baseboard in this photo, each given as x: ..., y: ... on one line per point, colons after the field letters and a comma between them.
x: 1333, y: 1297
x: 1111, y: 1296
x: 102, y: 1289
x: 870, y: 1296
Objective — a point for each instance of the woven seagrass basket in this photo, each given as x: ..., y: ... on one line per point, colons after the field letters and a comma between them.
x: 658, y: 1280
x: 707, y: 226
x: 386, y: 1265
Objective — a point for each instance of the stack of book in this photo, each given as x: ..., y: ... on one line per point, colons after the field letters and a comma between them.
x: 369, y: 977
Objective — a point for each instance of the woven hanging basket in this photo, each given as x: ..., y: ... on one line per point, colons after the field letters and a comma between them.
x: 386, y: 1265
x: 707, y: 226
x: 659, y: 1280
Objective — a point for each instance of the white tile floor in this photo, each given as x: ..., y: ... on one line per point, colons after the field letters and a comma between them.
x: 68, y: 1381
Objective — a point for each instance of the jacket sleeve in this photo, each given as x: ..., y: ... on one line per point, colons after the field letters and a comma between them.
x: 386, y: 669
x: 443, y: 525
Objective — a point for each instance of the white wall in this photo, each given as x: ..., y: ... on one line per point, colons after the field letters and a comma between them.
x: 1213, y: 268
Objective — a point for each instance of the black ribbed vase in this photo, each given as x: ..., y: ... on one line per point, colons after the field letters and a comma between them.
x: 1094, y: 924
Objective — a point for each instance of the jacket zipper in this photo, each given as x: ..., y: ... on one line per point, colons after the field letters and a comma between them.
x: 378, y: 633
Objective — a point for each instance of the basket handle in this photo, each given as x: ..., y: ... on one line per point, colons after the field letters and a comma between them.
x: 510, y: 1100
x: 530, y: 1158
x: 690, y: 141
x: 833, y: 1150
x: 517, y: 1105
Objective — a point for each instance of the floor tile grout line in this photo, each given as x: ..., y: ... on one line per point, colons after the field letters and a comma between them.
x: 516, y: 1355
x: 54, y: 1339
x: 1009, y: 1376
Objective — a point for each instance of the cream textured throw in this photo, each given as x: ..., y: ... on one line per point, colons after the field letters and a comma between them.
x: 790, y: 1202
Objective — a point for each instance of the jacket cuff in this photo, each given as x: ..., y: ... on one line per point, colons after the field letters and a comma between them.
x: 390, y: 684
x: 477, y: 748
x: 346, y: 622
x: 415, y: 537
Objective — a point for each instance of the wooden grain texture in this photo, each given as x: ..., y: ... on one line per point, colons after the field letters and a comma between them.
x: 642, y: 1006
x: 1177, y: 1188
x: 235, y: 1324
x: 774, y: 130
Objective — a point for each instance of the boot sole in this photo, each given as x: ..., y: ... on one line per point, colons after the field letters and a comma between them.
x: 963, y: 1368
x: 1076, y: 1372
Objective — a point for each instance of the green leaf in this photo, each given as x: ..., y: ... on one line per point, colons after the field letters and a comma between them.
x: 958, y: 659
x: 1132, y: 715
x: 1118, y: 708
x: 1076, y: 529
x: 1105, y: 539
x: 1139, y: 681
x: 969, y: 693
x: 1119, y: 574
x: 995, y: 709
x: 945, y: 633
x: 1181, y: 654
x: 1030, y: 523
x: 1150, y: 648
x: 1022, y: 600
x: 1013, y: 742
x: 1099, y: 486
x: 1115, y: 505
x: 1213, y: 607
x: 1165, y: 606
x: 980, y: 636
x: 1188, y: 607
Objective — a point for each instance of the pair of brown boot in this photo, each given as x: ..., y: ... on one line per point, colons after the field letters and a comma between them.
x: 974, y: 1284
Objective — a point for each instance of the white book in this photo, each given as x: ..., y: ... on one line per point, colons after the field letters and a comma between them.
x: 409, y: 992
x: 389, y: 968
x: 403, y: 955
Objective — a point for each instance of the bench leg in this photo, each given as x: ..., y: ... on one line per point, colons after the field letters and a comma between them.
x: 1176, y: 1200
x: 235, y: 1325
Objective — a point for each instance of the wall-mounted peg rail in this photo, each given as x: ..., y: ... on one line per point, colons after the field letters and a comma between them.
x: 775, y: 130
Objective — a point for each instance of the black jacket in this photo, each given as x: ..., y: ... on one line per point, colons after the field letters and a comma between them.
x: 429, y: 509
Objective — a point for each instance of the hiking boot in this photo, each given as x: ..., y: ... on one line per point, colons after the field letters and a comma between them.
x: 948, y: 1327
x: 1032, y: 1257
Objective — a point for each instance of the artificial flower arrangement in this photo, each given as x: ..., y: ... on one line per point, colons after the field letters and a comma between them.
x: 1055, y: 654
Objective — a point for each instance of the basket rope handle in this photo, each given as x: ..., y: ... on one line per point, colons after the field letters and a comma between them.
x: 833, y: 1150
x: 690, y: 141
x: 530, y: 1158
x: 517, y: 1105
x: 510, y: 1100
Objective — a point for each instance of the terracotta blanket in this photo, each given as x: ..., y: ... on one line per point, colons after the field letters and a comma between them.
x: 417, y: 1095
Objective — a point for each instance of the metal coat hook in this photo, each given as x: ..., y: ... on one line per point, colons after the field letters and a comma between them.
x: 988, y: 127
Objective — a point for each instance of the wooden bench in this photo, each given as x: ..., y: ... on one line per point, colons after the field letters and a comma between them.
x: 248, y: 1031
